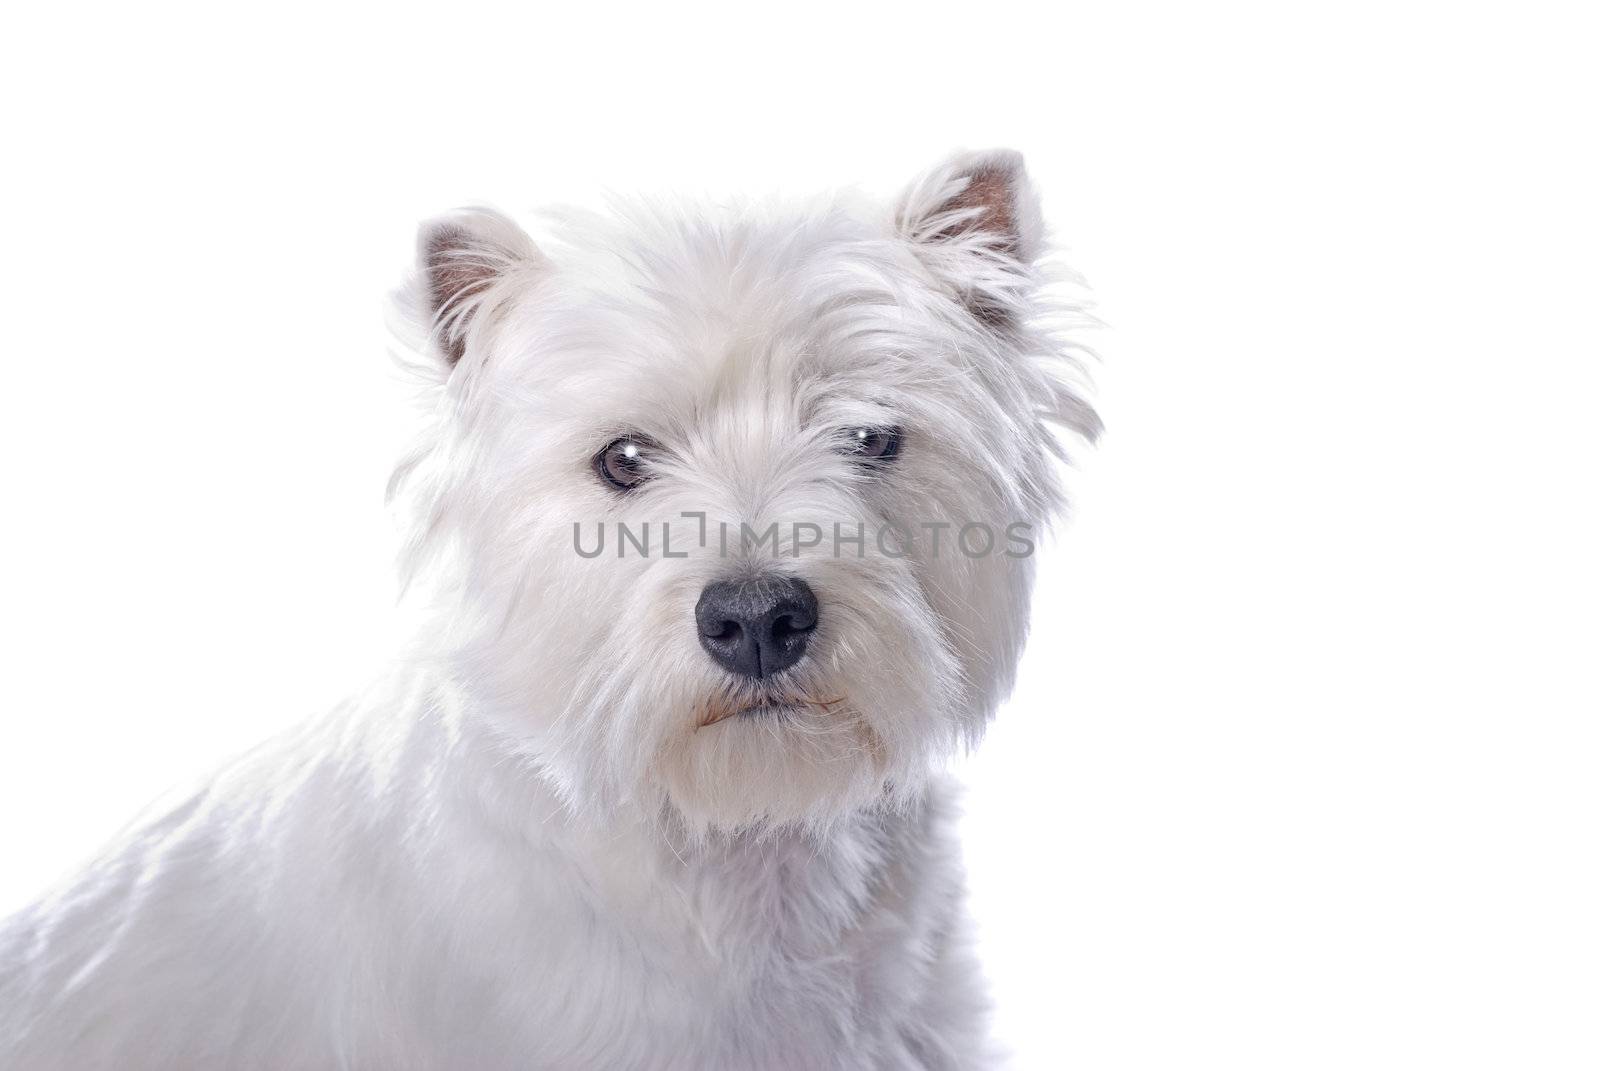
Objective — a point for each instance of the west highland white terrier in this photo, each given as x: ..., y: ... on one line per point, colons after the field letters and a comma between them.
x: 724, y: 525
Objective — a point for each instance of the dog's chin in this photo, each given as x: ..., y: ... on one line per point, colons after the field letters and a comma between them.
x: 773, y: 758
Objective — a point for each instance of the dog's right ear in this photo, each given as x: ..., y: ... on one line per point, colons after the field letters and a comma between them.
x: 469, y: 264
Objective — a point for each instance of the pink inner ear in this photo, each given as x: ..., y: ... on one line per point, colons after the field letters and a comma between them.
x: 456, y: 270
x: 989, y: 189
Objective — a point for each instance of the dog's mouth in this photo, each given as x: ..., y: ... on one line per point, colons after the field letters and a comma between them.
x: 723, y: 707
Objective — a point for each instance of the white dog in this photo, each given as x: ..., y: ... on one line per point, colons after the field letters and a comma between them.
x: 724, y: 524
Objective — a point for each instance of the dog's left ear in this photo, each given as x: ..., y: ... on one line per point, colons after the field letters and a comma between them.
x: 470, y: 264
x: 975, y: 221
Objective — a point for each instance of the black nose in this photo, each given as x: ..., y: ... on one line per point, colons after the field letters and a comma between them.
x: 756, y: 627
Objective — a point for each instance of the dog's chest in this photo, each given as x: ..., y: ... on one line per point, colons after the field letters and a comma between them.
x: 739, y: 955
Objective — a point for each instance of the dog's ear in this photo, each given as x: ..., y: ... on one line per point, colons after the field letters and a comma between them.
x: 975, y: 221
x: 469, y: 263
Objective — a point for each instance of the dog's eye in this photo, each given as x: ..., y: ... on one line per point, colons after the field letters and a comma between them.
x: 622, y: 463
x: 875, y: 446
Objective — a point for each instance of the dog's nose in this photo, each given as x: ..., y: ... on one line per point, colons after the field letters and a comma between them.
x: 756, y: 627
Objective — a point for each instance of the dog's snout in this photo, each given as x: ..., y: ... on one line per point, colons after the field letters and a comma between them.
x: 757, y: 627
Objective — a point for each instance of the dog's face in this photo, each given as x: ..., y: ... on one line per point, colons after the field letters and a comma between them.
x: 731, y: 517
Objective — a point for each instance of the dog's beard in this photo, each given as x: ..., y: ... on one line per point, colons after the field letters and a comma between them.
x: 762, y: 755
x: 820, y: 741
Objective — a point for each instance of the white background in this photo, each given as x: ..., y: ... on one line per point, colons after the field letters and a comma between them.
x: 1302, y: 769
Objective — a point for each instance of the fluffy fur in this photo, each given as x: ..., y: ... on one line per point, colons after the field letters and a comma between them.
x: 544, y: 840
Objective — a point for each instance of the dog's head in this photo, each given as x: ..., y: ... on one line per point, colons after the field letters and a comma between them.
x: 730, y: 515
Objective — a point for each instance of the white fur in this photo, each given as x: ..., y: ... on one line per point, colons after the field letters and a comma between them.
x: 519, y: 848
